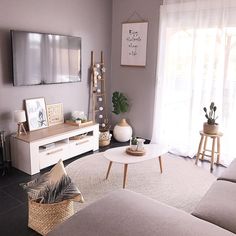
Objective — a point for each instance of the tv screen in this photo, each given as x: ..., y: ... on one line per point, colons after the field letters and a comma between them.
x: 41, y: 58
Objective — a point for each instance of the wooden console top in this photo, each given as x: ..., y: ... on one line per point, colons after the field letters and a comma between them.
x: 48, y: 132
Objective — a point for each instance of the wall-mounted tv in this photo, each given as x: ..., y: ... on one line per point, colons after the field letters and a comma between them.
x: 42, y: 58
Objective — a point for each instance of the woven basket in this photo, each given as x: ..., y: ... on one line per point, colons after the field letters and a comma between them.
x: 44, y: 217
x: 103, y: 143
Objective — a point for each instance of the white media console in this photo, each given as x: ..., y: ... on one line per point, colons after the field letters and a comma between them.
x: 39, y: 149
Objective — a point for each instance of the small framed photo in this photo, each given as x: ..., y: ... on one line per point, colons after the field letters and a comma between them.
x: 134, y: 44
x: 36, y: 113
x: 55, y: 114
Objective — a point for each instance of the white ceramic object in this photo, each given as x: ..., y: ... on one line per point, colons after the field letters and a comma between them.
x: 140, y: 145
x: 133, y: 147
x: 122, y: 132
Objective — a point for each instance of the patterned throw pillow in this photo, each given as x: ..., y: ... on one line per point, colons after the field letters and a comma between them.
x: 53, y: 186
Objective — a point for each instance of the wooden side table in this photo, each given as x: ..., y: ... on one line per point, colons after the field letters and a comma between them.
x: 202, y: 150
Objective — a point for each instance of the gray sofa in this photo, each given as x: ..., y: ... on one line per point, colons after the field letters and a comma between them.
x: 218, y: 206
x: 125, y: 213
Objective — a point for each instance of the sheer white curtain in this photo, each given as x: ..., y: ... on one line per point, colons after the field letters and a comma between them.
x: 196, y: 65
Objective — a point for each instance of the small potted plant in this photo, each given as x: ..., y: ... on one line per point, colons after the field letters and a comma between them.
x: 211, y: 127
x: 133, y: 143
x: 122, y: 131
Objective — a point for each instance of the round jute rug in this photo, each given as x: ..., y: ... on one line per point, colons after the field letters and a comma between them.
x: 182, y: 184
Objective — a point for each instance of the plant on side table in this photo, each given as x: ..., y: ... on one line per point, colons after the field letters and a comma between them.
x: 211, y: 127
x: 133, y: 143
x: 122, y: 131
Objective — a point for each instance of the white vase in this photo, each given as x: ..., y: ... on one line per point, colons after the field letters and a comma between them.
x: 122, y: 132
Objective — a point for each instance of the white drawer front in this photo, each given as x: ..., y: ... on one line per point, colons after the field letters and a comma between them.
x: 52, y: 156
x: 81, y: 146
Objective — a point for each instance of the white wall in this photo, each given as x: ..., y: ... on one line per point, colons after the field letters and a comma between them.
x: 88, y: 19
x: 137, y: 83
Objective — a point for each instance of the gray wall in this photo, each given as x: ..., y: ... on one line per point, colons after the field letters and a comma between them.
x: 137, y: 83
x: 89, y: 19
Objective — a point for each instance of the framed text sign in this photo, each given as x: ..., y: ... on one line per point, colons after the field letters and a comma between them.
x: 55, y: 114
x: 134, y: 44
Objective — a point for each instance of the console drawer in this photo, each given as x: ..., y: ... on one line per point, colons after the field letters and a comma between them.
x: 80, y: 146
x: 52, y: 156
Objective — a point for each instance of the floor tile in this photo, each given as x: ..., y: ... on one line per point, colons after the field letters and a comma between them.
x: 13, y: 176
x: 7, y: 203
x: 16, y: 191
x: 15, y: 221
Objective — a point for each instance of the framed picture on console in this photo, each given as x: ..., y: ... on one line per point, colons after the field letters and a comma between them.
x: 55, y: 114
x: 36, y: 113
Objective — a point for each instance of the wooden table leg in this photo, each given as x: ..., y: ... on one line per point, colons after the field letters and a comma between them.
x: 199, y: 149
x: 218, y: 150
x: 125, y: 174
x: 204, y: 148
x: 212, y: 153
x: 109, y: 168
x: 160, y: 163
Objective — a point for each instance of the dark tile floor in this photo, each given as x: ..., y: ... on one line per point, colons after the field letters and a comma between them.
x: 13, y: 200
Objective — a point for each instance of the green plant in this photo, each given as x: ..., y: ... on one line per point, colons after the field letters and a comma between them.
x: 211, y: 116
x: 120, y: 103
x: 134, y: 141
x: 79, y: 119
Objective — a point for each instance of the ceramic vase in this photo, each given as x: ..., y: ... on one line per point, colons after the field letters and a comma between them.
x: 122, y: 131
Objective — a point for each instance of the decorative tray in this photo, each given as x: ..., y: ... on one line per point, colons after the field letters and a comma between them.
x: 84, y: 124
x: 135, y: 153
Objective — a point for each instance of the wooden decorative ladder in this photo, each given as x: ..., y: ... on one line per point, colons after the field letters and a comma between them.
x: 98, y: 93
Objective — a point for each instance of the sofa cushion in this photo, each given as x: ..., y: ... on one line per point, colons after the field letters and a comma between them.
x: 230, y: 173
x: 125, y: 213
x: 218, y: 206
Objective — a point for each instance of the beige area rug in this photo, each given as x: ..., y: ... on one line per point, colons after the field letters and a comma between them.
x: 182, y: 184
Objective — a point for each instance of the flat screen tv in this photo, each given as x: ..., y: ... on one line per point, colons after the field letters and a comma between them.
x: 42, y: 58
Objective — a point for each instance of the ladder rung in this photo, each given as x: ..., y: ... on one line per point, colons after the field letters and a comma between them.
x: 207, y: 154
x: 208, y: 150
x: 100, y: 94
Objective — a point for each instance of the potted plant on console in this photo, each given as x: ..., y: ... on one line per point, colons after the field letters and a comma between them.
x: 122, y: 131
x: 210, y: 127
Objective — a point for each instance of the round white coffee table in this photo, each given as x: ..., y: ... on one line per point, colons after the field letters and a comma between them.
x: 119, y: 155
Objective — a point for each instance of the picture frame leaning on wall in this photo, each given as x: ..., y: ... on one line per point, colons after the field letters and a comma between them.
x: 36, y: 113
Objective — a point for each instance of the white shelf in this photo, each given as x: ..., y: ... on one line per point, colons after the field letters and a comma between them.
x: 57, y: 145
